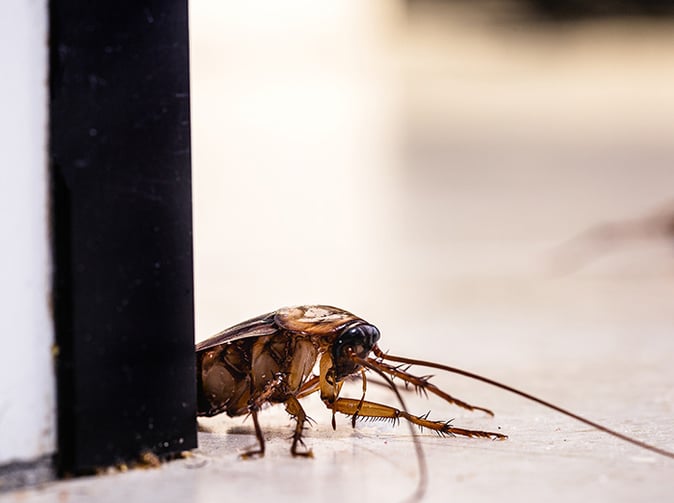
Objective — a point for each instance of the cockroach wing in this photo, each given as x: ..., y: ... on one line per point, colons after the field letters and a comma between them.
x: 255, y: 327
x: 309, y: 320
x: 314, y: 320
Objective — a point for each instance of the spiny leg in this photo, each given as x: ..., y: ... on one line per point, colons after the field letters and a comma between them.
x: 379, y: 411
x: 254, y: 406
x: 423, y: 384
x: 260, y: 439
x: 309, y: 387
x: 294, y: 408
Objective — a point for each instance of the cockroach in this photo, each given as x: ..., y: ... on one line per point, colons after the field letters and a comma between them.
x: 270, y: 359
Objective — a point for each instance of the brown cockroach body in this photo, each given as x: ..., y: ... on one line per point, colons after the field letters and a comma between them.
x: 270, y: 359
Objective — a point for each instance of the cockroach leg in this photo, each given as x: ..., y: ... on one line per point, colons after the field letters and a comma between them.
x: 253, y: 408
x: 354, y: 416
x: 294, y: 408
x: 260, y: 439
x: 380, y: 411
x: 309, y: 387
x: 423, y: 384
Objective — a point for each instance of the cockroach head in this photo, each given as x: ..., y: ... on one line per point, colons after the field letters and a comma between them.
x: 356, y: 339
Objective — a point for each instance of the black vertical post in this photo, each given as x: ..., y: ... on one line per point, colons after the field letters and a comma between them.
x: 122, y: 230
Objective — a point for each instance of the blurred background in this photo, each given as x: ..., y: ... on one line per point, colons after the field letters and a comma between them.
x: 441, y: 168
x: 491, y: 183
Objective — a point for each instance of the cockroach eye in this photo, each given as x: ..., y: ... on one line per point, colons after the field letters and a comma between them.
x: 373, y: 334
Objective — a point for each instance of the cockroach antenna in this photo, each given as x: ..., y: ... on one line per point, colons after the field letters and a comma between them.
x: 663, y: 452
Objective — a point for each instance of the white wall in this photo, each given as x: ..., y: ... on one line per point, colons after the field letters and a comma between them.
x: 27, y: 418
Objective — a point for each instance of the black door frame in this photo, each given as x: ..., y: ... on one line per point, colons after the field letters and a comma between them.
x: 121, y: 230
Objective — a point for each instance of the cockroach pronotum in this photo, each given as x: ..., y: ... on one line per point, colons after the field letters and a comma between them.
x: 271, y: 358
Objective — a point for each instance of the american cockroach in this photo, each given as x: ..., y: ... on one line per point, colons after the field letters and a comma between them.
x: 271, y: 358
